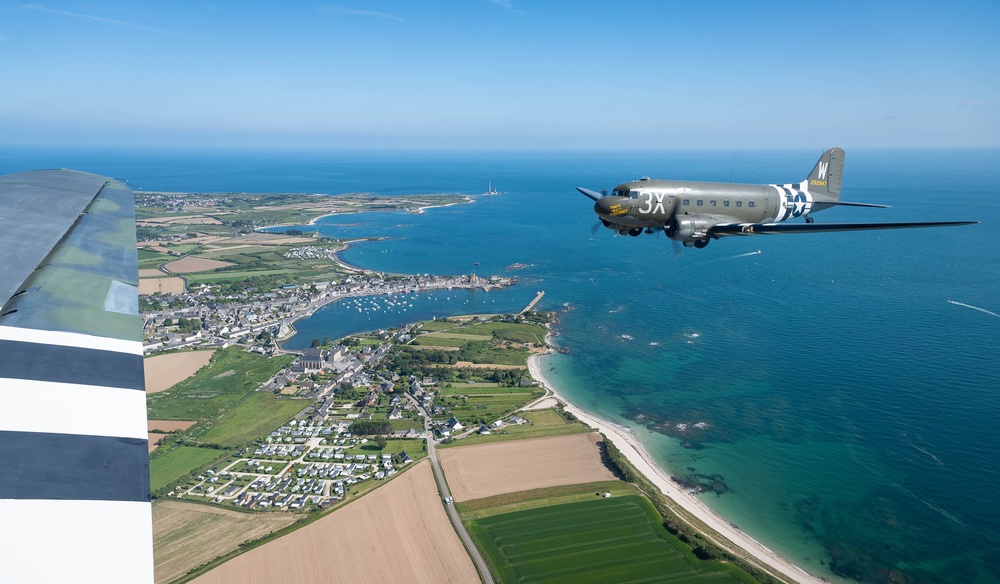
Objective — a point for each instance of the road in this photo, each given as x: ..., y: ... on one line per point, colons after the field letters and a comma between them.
x: 477, y: 558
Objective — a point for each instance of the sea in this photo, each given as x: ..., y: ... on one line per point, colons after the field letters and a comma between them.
x: 836, y: 396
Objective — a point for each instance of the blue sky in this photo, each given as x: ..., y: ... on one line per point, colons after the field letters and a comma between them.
x: 527, y: 74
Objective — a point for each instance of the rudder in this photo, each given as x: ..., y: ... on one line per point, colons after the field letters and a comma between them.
x: 827, y: 175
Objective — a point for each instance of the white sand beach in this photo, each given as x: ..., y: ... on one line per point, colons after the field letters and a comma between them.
x: 640, y: 459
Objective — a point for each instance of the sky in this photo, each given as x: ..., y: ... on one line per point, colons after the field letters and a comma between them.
x: 490, y: 74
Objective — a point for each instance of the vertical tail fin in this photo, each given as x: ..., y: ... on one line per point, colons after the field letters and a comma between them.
x: 827, y: 175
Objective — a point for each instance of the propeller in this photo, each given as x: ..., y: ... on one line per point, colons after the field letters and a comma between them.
x: 594, y: 196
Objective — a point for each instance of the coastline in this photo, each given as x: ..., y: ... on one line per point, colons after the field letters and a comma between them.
x: 637, y: 455
x: 465, y: 199
x: 629, y: 445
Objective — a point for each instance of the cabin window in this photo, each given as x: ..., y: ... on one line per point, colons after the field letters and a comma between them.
x: 739, y: 203
x: 687, y: 202
x: 633, y: 194
x: 751, y: 204
x: 701, y: 203
x: 725, y: 203
x: 712, y: 203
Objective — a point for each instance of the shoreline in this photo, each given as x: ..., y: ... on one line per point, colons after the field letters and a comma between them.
x: 630, y: 446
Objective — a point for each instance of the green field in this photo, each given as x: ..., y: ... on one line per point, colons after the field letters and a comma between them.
x: 485, y: 408
x: 436, y: 325
x: 177, y: 463
x: 541, y: 423
x: 510, y: 331
x: 452, y: 389
x: 618, y: 539
x: 256, y: 416
x: 216, y: 388
x: 480, y: 352
x: 405, y: 424
x: 217, y: 276
x: 437, y: 341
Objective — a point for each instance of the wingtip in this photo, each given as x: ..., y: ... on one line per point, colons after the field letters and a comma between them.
x: 592, y: 195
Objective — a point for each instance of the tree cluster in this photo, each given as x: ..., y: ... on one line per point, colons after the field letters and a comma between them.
x: 371, y: 427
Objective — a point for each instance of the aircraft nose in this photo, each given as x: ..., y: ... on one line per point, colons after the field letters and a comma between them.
x: 603, y: 206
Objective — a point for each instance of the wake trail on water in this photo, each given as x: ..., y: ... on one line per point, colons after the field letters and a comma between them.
x: 743, y: 255
x: 989, y: 312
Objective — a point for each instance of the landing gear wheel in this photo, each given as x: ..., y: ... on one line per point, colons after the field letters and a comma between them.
x: 635, y: 232
x: 701, y: 243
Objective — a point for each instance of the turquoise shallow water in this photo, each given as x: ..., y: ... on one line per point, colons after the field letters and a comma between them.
x: 849, y: 409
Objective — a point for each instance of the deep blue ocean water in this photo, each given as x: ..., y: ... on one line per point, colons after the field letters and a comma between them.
x: 850, y: 410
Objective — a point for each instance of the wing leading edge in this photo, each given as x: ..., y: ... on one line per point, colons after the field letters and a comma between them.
x: 74, y: 465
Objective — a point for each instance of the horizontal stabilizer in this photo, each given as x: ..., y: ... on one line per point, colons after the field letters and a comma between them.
x: 779, y: 228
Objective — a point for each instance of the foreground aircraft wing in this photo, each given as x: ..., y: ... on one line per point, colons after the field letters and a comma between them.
x: 74, y: 463
x: 778, y: 228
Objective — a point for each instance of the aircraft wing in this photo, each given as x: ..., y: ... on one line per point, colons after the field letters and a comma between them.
x: 778, y: 228
x: 74, y: 463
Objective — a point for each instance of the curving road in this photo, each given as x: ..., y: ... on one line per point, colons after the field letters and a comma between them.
x: 456, y: 522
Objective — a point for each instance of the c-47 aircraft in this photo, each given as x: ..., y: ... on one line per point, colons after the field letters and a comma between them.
x: 695, y: 213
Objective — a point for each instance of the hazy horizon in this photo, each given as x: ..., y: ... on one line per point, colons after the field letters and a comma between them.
x: 500, y: 74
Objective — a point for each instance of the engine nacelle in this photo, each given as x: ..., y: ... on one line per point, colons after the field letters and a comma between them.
x: 692, y: 228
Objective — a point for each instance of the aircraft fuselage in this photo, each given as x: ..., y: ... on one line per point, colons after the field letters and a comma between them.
x: 697, y: 212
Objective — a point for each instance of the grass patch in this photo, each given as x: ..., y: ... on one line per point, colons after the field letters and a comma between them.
x: 509, y: 331
x: 618, y: 539
x: 540, y: 423
x: 535, y: 498
x: 203, y: 277
x: 216, y: 388
x: 480, y: 353
x: 254, y: 417
x: 474, y: 408
x: 459, y: 336
x: 405, y: 424
x: 437, y: 325
x: 436, y: 341
x: 482, y: 389
x: 177, y: 463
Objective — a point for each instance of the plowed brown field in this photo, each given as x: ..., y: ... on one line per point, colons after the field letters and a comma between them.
x: 166, y: 371
x: 192, y: 264
x: 186, y: 535
x: 484, y: 470
x: 396, y: 534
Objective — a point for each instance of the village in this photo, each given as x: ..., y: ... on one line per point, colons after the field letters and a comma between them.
x: 361, y: 420
x: 205, y: 317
